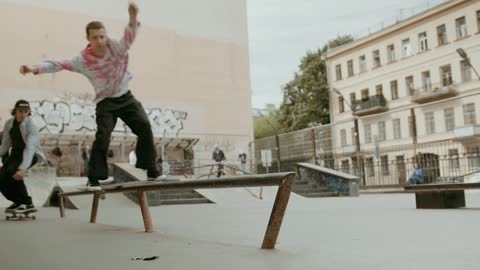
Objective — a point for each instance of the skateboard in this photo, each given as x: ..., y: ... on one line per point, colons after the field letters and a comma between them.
x: 21, y: 216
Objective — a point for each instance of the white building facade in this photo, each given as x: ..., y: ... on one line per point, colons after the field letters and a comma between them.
x: 413, y: 96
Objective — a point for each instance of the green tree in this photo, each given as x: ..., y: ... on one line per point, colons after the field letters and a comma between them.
x: 305, y: 97
x: 266, y: 125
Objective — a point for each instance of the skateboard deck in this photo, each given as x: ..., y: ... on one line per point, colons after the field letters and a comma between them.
x: 21, y: 216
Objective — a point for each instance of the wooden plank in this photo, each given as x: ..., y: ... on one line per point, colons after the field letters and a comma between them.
x: 278, y: 212
x: 93, y: 213
x: 147, y: 219
x: 441, y: 187
x: 224, y: 182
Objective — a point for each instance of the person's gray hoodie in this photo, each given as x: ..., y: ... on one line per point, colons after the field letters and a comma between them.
x: 30, y: 136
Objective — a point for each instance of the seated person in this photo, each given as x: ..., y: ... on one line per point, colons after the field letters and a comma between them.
x: 417, y: 177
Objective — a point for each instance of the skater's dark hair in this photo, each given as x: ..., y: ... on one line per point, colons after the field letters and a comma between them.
x: 21, y: 104
x: 93, y: 25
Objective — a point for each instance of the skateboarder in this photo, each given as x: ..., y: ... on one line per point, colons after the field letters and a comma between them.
x: 104, y: 62
x: 218, y: 156
x: 20, y: 137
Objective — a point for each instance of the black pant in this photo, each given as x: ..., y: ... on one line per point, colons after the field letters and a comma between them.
x: 133, y: 114
x: 14, y: 190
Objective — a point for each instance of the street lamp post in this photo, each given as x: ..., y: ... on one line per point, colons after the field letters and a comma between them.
x: 464, y: 56
x: 357, y: 137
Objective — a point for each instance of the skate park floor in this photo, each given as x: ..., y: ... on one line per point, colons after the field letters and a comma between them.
x: 374, y: 231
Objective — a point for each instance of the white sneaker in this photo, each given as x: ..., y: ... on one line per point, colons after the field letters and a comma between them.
x: 90, y: 187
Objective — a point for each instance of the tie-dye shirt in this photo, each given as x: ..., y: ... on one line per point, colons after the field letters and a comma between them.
x: 108, y: 74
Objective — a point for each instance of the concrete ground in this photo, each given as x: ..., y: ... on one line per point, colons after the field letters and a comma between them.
x: 367, y: 232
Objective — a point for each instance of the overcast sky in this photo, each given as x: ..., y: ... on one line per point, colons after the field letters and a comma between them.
x: 281, y: 31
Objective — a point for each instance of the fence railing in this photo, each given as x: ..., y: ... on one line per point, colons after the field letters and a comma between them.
x: 384, y: 164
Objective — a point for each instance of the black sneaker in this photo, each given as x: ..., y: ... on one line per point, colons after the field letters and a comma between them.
x: 152, y: 174
x: 22, y: 208
x: 11, y: 207
x: 93, y: 186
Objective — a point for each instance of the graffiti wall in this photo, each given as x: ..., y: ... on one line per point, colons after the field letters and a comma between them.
x: 58, y: 116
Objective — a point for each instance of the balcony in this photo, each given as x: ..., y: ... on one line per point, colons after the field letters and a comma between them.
x: 467, y: 133
x: 429, y: 93
x: 372, y: 105
x: 346, y: 149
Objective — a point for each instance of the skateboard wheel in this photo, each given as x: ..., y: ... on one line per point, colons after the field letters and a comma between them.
x: 33, y: 217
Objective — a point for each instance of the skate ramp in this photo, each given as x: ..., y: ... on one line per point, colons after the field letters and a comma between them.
x: 40, y: 183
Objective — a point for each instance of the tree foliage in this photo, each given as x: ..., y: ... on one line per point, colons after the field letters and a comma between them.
x: 266, y: 126
x: 306, y: 97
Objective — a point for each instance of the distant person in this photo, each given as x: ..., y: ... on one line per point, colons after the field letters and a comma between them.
x: 132, y: 158
x: 86, y: 157
x: 243, y: 162
x: 218, y: 156
x: 417, y: 176
x: 21, y: 138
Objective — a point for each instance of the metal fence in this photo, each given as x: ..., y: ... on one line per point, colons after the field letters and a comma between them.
x: 382, y: 164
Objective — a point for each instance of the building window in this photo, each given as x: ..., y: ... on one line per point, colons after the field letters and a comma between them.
x: 341, y: 105
x: 410, y: 85
x: 338, y: 71
x: 423, y: 41
x: 442, y: 35
x: 446, y: 75
x: 466, y: 71
x: 461, y: 27
x: 381, y: 131
x: 469, y: 114
x: 394, y: 89
x: 426, y: 81
x: 376, y: 58
x: 368, y: 133
x: 449, y: 114
x: 453, y: 159
x: 370, y: 166
x: 429, y: 123
x: 390, y: 53
x: 397, y: 132
x: 353, y: 98
x: 365, y: 94
x: 343, y: 137
x: 379, y: 90
x: 406, y: 47
x: 473, y: 154
x: 345, y: 166
x: 478, y: 21
x: 384, y: 164
x: 362, y: 64
x: 350, y: 68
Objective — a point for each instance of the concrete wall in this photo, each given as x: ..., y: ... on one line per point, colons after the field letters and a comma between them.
x: 190, y: 56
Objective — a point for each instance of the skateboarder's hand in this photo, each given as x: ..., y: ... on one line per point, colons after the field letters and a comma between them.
x: 19, y: 175
x: 132, y: 11
x: 26, y: 69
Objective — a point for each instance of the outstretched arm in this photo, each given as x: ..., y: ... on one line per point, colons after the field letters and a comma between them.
x: 53, y: 66
x: 131, y: 30
x: 133, y: 12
